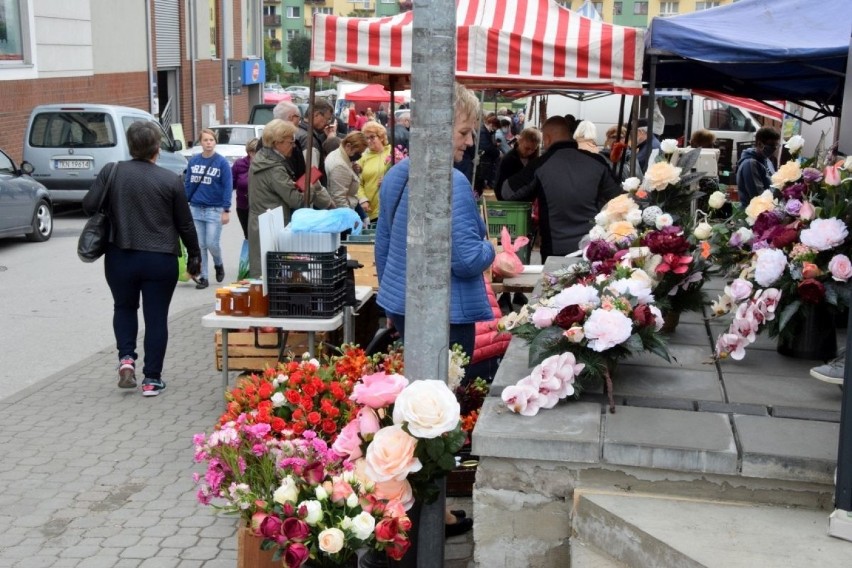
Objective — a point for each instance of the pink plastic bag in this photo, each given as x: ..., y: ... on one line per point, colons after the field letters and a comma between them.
x: 507, y: 264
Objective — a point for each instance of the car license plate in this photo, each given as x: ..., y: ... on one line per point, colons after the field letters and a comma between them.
x: 73, y: 164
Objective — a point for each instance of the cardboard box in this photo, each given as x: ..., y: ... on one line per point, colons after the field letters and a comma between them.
x: 244, y: 354
x: 365, y: 253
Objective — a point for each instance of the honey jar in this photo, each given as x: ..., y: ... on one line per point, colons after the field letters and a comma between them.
x: 258, y: 303
x: 240, y: 305
x: 223, y: 302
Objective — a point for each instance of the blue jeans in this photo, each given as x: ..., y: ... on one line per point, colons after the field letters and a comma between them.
x: 154, y: 275
x: 208, y: 225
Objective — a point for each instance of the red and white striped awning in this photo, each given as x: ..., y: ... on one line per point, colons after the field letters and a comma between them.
x: 500, y: 43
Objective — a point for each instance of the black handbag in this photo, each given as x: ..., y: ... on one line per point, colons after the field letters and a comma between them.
x: 93, y: 240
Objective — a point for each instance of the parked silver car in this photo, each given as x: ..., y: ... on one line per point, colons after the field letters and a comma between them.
x: 25, y: 205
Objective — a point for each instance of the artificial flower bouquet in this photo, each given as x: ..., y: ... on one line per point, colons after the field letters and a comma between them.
x: 648, y: 239
x: 404, y: 436
x: 576, y: 334
x: 787, y: 249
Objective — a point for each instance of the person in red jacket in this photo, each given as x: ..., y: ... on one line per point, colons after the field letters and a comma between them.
x: 489, y: 344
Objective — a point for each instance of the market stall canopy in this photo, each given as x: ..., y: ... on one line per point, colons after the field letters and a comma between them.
x: 499, y: 43
x: 372, y: 93
x: 792, y: 50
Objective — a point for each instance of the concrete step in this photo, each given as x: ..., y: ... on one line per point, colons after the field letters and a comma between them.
x: 584, y: 555
x: 645, y: 530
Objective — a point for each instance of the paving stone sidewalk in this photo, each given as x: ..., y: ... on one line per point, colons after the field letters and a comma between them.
x: 100, y: 477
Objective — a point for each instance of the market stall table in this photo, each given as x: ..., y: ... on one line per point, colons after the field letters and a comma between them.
x: 308, y: 325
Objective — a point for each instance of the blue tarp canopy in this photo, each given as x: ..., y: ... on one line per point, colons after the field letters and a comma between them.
x: 792, y: 50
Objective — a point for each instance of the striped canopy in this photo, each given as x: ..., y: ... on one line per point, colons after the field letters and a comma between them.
x: 500, y: 44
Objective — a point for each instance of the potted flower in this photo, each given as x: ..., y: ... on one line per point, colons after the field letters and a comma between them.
x: 788, y: 257
x: 578, y: 333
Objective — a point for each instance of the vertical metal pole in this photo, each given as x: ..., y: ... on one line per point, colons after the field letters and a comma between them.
x: 226, y: 79
x: 429, y: 223
x: 840, y: 522
x: 152, y: 93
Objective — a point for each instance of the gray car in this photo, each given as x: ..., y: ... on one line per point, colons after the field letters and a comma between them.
x: 25, y: 205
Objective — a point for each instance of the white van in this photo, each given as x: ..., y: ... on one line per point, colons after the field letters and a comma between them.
x: 68, y: 144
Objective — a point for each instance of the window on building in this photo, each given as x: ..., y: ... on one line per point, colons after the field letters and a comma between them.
x: 292, y: 34
x: 294, y: 11
x: 253, y: 27
x: 272, y: 33
x: 598, y: 7
x: 389, y: 1
x: 11, y: 32
x: 640, y: 8
x: 669, y: 8
x: 616, y: 8
x: 327, y: 10
x: 706, y: 5
x: 213, y: 10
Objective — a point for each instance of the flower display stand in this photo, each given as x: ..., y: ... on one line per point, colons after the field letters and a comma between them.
x: 249, y: 553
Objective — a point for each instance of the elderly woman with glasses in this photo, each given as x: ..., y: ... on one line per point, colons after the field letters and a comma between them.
x: 374, y: 163
x: 272, y: 184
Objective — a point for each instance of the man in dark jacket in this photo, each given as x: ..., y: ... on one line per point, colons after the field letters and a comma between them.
x: 526, y: 148
x: 322, y: 117
x: 401, y: 130
x: 571, y: 185
x: 754, y: 169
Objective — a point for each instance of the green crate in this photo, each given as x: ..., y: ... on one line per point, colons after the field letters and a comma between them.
x: 514, y: 215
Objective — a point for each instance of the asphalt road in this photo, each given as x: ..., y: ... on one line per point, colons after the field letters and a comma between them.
x: 56, y: 310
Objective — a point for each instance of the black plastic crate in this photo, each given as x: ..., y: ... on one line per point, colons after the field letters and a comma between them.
x: 306, y: 284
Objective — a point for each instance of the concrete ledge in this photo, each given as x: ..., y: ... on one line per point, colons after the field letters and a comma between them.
x: 569, y: 432
x: 782, y: 448
x: 670, y: 439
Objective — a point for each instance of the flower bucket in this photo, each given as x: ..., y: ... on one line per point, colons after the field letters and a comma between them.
x: 816, y: 335
x: 249, y: 553
x: 670, y: 320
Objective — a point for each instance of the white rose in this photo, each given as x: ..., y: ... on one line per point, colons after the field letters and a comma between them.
x: 314, y: 509
x: 278, y: 399
x: 597, y: 233
x: 716, y: 200
x: 745, y: 234
x: 602, y: 219
x: 352, y: 500
x: 331, y: 540
x: 663, y: 221
x: 634, y: 216
x: 794, y: 144
x: 703, y: 231
x: 363, y: 525
x: 321, y: 493
x: 287, y: 491
x: 668, y: 146
x: 631, y: 184
x: 429, y: 407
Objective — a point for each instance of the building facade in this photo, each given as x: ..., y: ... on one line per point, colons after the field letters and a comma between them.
x: 163, y: 56
x: 638, y: 13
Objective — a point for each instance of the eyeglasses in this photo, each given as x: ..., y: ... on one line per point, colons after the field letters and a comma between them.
x: 371, y: 137
x: 289, y: 141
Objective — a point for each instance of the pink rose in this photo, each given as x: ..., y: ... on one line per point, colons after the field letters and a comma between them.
x: 348, y: 443
x: 741, y: 289
x: 831, y: 176
x: 391, y: 455
x: 295, y: 555
x: 807, y: 212
x: 368, y: 421
x: 378, y: 390
x: 396, y: 491
x: 543, y: 317
x: 340, y: 491
x: 295, y: 530
x: 270, y: 527
x: 840, y: 267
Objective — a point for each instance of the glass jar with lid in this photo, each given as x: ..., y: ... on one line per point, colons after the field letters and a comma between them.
x: 240, y: 306
x: 258, y: 303
x: 223, y: 302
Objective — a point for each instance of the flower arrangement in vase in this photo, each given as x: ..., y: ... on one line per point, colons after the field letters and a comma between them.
x: 785, y: 253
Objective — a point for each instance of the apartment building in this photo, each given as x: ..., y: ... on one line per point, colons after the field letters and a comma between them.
x: 638, y: 13
x: 168, y: 57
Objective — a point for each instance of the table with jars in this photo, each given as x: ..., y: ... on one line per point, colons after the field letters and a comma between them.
x: 240, y: 307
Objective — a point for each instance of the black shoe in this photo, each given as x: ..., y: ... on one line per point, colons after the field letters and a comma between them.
x: 202, y: 284
x: 152, y: 387
x: 520, y: 299
x: 220, y: 272
x: 459, y: 527
x: 460, y: 514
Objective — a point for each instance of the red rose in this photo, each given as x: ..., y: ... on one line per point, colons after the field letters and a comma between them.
x: 782, y: 236
x: 270, y: 527
x: 643, y: 315
x: 397, y: 549
x: 665, y: 242
x: 314, y: 418
x: 265, y: 390
x: 811, y: 291
x: 296, y: 530
x: 329, y: 427
x: 387, y: 529
x: 278, y: 424
x: 295, y: 555
x: 292, y: 396
x: 569, y: 315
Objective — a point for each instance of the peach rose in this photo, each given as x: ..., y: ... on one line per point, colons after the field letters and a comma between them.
x: 391, y: 455
x: 618, y: 207
x: 622, y: 230
x: 396, y: 490
x: 331, y: 540
x: 660, y: 175
x: 759, y: 204
x: 789, y: 172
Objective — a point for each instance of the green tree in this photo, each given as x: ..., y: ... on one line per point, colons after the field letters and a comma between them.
x: 299, y: 50
x: 274, y: 69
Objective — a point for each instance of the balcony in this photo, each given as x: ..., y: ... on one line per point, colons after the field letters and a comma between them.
x: 275, y: 44
x: 270, y: 21
x: 314, y: 1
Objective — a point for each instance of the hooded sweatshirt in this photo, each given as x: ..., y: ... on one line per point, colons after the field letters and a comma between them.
x: 754, y: 171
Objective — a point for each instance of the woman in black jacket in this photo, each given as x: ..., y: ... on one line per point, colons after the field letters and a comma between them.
x: 148, y: 216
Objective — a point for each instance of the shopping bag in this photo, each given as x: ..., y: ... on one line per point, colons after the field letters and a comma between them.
x: 243, y: 271
x: 183, y: 275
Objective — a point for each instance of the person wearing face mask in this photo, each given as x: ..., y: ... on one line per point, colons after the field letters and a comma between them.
x: 754, y: 168
x: 343, y: 182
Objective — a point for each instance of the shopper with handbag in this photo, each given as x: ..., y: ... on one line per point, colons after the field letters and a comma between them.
x: 148, y: 216
x: 209, y: 183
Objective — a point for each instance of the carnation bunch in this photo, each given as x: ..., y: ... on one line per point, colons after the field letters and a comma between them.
x: 788, y: 248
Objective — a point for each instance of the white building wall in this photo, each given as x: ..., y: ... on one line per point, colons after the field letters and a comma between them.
x: 63, y: 38
x: 120, y: 32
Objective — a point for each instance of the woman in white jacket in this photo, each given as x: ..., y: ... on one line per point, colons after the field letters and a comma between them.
x: 343, y: 180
